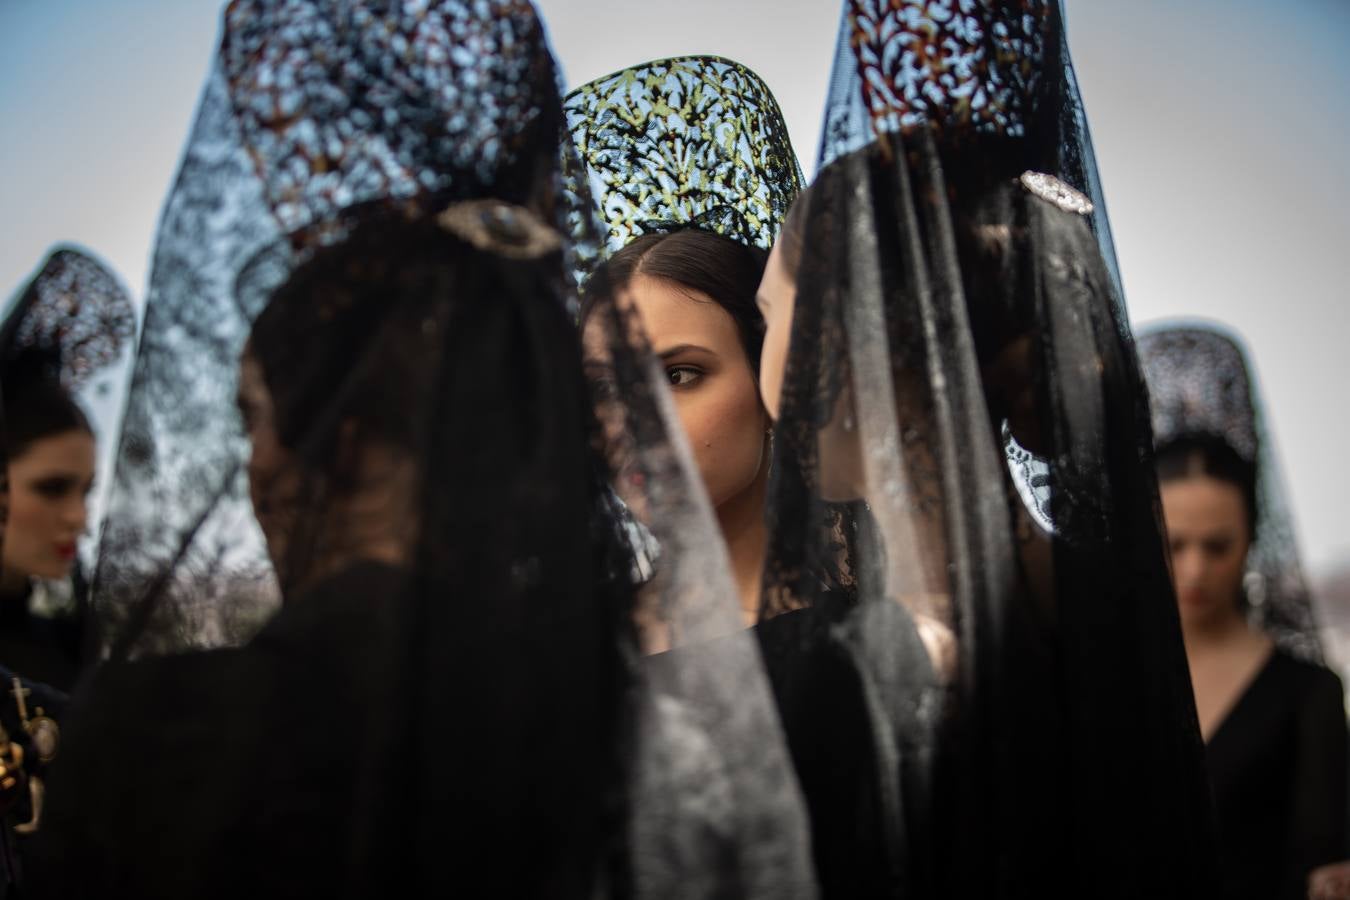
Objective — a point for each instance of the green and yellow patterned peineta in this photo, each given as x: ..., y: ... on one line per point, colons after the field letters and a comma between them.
x: 694, y: 141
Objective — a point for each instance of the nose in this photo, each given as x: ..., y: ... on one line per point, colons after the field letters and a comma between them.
x: 1188, y: 566
x: 76, y: 513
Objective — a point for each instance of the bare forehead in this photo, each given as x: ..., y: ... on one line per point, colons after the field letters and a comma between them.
x: 673, y: 313
x: 1201, y: 502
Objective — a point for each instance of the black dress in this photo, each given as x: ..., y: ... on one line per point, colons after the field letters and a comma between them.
x: 1277, y: 764
x: 49, y: 651
x: 38, y: 700
x: 205, y: 774
x: 853, y: 723
x: 281, y: 768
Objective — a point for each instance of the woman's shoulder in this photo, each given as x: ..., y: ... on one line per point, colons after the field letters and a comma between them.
x: 1310, y: 681
x: 129, y: 697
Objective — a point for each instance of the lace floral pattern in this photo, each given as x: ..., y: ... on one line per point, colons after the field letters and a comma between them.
x: 310, y: 106
x: 76, y: 309
x: 1033, y: 479
x: 689, y: 141
x: 1198, y: 386
x: 972, y: 64
x: 339, y: 102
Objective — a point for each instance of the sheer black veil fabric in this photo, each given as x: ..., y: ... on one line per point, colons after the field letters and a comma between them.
x: 308, y: 109
x: 1201, y: 386
x: 63, y: 351
x: 423, y: 485
x: 63, y: 344
x: 68, y: 327
x: 438, y: 686
x: 958, y: 480
x: 452, y: 686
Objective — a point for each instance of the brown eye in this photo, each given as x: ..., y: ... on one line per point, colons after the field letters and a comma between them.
x: 682, y: 376
x: 54, y: 488
x: 1218, y: 548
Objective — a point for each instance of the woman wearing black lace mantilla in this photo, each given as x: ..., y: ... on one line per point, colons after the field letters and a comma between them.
x: 65, y: 330
x: 359, y: 394
x: 947, y: 350
x: 358, y: 389
x: 692, y: 172
x: 1272, y: 715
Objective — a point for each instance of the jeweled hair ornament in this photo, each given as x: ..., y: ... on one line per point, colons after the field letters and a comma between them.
x: 500, y: 229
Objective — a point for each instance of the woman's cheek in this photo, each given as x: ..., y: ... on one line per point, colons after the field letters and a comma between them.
x: 725, y: 428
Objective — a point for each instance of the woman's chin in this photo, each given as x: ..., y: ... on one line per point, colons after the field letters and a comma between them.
x: 51, y: 571
x: 1200, y: 614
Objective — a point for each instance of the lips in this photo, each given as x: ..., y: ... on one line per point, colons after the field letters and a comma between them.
x: 1192, y: 597
x: 66, y: 551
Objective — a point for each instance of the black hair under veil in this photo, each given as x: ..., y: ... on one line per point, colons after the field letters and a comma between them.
x: 963, y: 484
x: 1202, y: 388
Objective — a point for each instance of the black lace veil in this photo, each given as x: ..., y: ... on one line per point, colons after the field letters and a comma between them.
x: 308, y: 109
x: 358, y: 443
x: 1201, y: 386
x: 958, y: 479
x: 321, y: 120
x: 690, y: 142
x: 69, y: 325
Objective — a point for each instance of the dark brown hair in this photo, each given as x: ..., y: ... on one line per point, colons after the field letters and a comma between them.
x: 37, y: 407
x: 726, y: 270
x: 1210, y: 456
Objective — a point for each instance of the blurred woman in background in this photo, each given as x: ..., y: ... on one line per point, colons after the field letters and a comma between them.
x: 1271, y: 714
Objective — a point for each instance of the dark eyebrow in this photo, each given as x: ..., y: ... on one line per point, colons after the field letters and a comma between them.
x: 683, y: 348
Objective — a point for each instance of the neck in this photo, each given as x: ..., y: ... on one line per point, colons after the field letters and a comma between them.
x: 1215, y: 631
x: 747, y: 536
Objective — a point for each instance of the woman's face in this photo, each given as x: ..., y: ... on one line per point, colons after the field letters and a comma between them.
x: 838, y: 446
x: 1208, y: 531
x: 710, y: 380
x: 777, y: 299
x: 49, y: 486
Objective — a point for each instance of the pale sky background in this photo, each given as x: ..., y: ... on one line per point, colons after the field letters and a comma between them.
x: 1222, y: 130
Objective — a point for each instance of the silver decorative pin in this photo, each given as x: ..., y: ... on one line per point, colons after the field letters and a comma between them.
x: 500, y: 228
x: 1051, y: 189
